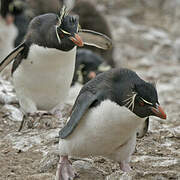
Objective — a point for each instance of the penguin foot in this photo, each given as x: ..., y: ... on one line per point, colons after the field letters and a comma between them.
x: 57, y: 113
x: 65, y: 170
x: 32, y: 118
x: 125, y: 166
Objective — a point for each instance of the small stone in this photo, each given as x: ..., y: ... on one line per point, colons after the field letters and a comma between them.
x: 49, y: 162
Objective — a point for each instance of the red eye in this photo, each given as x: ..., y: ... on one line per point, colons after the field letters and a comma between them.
x: 61, y: 35
x: 141, y: 103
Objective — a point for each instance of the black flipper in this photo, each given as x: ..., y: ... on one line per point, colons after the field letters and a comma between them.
x: 83, y: 102
x: 93, y: 38
x: 143, y: 129
x: 11, y: 56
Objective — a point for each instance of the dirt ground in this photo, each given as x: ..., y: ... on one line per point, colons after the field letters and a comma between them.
x: 139, y: 31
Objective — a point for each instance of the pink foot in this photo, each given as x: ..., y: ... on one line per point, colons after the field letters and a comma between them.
x: 65, y: 170
x: 125, y: 166
x: 57, y: 114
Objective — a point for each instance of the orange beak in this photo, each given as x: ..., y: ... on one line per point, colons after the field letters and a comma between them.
x: 77, y: 40
x: 158, y: 111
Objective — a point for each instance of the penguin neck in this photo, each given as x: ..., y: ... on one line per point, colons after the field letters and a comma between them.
x: 50, y: 54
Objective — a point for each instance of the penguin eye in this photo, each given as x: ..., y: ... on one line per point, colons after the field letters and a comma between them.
x: 141, y: 103
x: 61, y: 35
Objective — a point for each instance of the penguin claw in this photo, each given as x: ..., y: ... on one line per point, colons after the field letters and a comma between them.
x: 65, y: 170
x: 125, y: 166
x: 32, y: 118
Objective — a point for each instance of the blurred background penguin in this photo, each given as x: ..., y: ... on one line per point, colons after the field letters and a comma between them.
x: 22, y: 11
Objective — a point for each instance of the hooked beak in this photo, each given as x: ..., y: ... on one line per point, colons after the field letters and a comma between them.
x: 158, y: 111
x: 76, y: 39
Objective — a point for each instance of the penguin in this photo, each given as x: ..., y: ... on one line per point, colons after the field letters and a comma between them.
x: 105, y: 119
x: 8, y: 34
x: 21, y: 19
x: 88, y: 65
x: 17, y: 9
x: 44, y: 62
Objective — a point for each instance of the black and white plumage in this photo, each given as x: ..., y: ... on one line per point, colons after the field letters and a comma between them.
x: 8, y: 34
x: 17, y: 9
x: 44, y: 63
x: 106, y: 116
x: 88, y: 65
x: 92, y: 18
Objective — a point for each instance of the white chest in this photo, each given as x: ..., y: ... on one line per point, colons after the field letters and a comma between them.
x: 45, y: 76
x: 102, y: 130
x: 47, y: 62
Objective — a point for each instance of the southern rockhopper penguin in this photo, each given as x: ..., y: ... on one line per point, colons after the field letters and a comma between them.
x: 18, y: 8
x: 44, y: 63
x: 8, y: 33
x: 105, y: 119
x: 88, y: 65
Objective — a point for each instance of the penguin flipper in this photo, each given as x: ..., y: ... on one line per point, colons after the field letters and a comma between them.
x: 11, y: 56
x: 83, y: 102
x: 93, y: 38
x: 143, y: 129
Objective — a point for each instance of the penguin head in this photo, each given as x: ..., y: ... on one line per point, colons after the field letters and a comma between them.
x: 88, y: 66
x: 144, y: 101
x: 137, y: 95
x: 50, y: 31
x: 67, y: 32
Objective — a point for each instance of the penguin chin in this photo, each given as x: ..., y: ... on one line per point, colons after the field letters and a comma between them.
x: 142, y: 115
x: 66, y: 45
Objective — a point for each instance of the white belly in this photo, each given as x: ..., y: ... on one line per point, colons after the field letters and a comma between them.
x: 44, y: 78
x: 101, y: 131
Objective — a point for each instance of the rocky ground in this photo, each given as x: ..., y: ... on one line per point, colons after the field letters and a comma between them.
x: 146, y: 37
